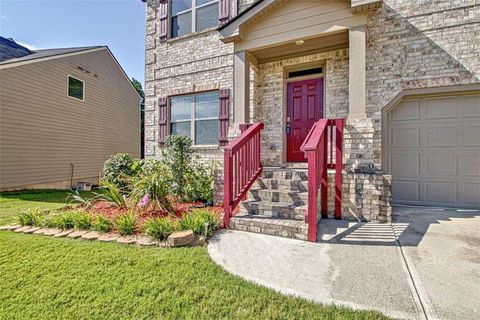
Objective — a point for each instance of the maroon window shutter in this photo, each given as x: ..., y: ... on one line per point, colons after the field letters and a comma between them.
x: 163, y: 25
x: 223, y: 11
x: 223, y: 116
x: 162, y: 120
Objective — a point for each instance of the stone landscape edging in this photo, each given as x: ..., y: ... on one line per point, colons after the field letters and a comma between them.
x: 89, y: 235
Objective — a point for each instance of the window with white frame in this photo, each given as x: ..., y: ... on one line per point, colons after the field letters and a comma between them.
x: 75, y: 88
x: 196, y: 116
x: 192, y: 16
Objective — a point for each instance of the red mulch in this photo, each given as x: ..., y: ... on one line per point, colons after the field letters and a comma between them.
x: 112, y: 212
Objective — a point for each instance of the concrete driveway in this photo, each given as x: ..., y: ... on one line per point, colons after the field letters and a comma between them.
x: 425, y: 265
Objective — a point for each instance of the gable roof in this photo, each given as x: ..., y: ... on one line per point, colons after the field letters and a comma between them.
x: 231, y: 30
x: 47, y: 53
x: 9, y: 49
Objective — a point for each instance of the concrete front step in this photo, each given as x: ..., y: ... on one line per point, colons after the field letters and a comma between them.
x: 293, y: 229
x: 281, y: 184
x: 298, y: 198
x: 274, y: 209
x: 280, y: 173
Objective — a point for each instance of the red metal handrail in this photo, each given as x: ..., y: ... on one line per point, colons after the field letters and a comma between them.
x: 242, y: 166
x: 320, y: 157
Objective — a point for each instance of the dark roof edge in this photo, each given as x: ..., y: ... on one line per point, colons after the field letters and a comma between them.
x: 223, y: 26
x: 6, y: 62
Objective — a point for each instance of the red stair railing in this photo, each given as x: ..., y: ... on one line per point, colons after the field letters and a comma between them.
x: 242, y: 166
x: 318, y: 148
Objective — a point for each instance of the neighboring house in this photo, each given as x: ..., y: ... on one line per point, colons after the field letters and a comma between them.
x: 404, y: 74
x: 63, y: 112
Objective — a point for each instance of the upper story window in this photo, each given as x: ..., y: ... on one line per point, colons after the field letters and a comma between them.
x: 196, y: 116
x: 76, y: 88
x: 190, y: 16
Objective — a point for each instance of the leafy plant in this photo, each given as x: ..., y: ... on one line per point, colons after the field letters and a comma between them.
x: 178, y: 155
x: 153, y: 189
x: 31, y: 217
x: 102, y: 224
x: 82, y: 220
x: 126, y: 223
x: 160, y: 228
x: 76, y: 197
x: 111, y: 193
x: 199, y: 183
x: 201, y: 221
x: 119, y: 169
x: 62, y: 220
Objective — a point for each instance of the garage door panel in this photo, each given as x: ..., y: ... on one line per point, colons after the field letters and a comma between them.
x: 469, y: 164
x: 441, y: 164
x: 409, y: 111
x: 442, y: 136
x: 471, y: 136
x: 441, y: 192
x: 405, y: 137
x: 434, y: 151
x: 405, y: 164
x: 469, y: 193
x: 445, y: 108
x: 405, y: 190
x: 471, y: 106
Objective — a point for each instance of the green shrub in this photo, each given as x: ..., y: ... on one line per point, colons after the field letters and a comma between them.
x: 178, y: 156
x: 111, y: 193
x: 190, y: 179
x: 119, y: 169
x: 31, y: 217
x: 62, y: 220
x: 202, y: 221
x: 126, y: 224
x: 199, y: 183
x: 102, y: 224
x: 82, y: 220
x: 160, y: 228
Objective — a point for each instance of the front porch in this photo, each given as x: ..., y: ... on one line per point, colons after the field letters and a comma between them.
x: 290, y: 76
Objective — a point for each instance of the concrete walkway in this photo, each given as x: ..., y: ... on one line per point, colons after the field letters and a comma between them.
x: 423, y: 266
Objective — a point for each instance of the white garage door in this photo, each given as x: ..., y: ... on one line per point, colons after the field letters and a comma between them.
x: 433, y: 151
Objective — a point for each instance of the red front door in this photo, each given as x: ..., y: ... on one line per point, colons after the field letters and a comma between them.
x: 304, y: 108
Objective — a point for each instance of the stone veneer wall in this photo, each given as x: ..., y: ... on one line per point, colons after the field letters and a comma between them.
x: 184, y: 65
x: 365, y: 196
x: 415, y: 44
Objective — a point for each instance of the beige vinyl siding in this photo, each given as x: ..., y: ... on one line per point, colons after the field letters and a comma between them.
x: 42, y: 130
x: 299, y: 20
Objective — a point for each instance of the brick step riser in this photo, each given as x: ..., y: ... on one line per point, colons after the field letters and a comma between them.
x: 284, y: 185
x: 269, y: 195
x: 279, y: 212
x: 268, y: 229
x: 285, y: 175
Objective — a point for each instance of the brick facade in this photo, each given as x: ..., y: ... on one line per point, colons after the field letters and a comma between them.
x: 410, y: 44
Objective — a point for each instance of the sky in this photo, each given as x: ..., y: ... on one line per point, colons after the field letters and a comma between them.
x: 45, y: 24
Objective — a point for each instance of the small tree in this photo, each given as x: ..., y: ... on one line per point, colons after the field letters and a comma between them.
x: 178, y: 156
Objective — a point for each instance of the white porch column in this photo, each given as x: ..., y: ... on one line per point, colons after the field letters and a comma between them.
x: 357, y: 73
x: 241, y: 87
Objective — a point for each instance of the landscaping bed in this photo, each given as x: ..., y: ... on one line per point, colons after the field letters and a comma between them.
x: 161, y: 201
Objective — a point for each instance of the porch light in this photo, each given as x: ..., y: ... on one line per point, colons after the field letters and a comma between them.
x: 299, y: 42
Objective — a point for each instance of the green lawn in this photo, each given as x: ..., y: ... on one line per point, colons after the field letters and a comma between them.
x: 13, y: 202
x: 46, y: 278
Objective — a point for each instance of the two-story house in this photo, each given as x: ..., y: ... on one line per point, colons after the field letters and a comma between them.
x: 404, y: 74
